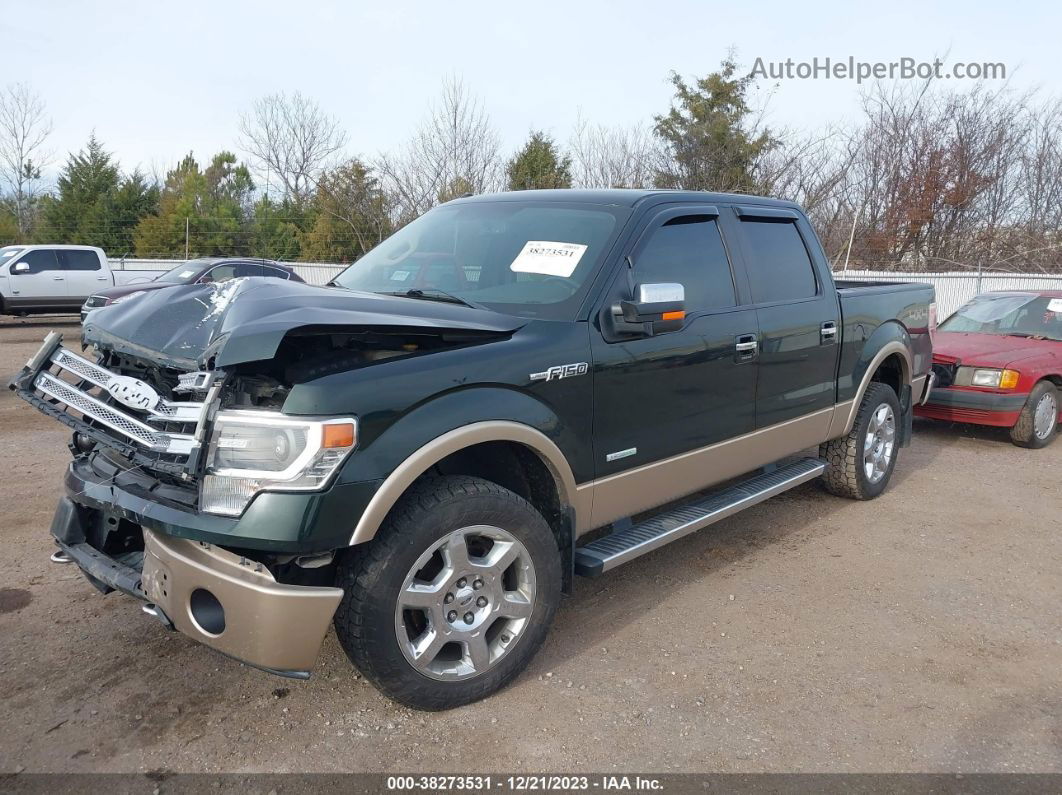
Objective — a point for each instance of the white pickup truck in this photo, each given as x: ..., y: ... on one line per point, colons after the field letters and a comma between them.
x: 51, y: 278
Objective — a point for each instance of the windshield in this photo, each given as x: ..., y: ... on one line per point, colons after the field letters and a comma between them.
x: 1018, y: 315
x: 183, y: 273
x: 7, y: 253
x: 532, y: 259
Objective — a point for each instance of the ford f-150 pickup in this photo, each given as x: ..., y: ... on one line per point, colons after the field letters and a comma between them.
x: 50, y: 278
x: 512, y: 390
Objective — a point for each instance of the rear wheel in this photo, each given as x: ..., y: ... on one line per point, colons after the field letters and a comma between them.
x: 1037, y: 424
x: 454, y: 595
x: 859, y: 465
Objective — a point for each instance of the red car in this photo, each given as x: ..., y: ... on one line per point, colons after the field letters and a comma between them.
x: 998, y: 361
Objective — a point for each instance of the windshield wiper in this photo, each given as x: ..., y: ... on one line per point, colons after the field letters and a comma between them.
x: 434, y: 294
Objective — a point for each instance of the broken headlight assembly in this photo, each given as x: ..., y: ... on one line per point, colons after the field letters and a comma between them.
x: 987, y: 377
x: 254, y: 451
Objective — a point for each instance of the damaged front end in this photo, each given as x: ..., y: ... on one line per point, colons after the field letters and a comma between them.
x: 190, y: 488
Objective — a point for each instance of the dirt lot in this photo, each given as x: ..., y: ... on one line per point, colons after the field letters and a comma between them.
x: 919, y: 632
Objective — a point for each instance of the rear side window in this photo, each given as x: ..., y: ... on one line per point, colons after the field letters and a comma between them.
x: 41, y: 260
x: 778, y: 263
x: 246, y: 269
x: 276, y: 273
x: 688, y: 250
x: 80, y: 260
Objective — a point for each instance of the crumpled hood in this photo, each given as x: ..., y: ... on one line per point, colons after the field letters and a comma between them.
x: 989, y: 350
x: 244, y: 320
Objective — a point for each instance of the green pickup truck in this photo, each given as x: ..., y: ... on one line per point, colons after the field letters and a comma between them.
x: 512, y: 390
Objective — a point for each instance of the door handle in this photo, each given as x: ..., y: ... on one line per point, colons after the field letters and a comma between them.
x: 57, y: 278
x: 828, y: 332
x: 746, y: 346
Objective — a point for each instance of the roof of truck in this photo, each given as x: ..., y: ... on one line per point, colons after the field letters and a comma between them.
x: 625, y: 197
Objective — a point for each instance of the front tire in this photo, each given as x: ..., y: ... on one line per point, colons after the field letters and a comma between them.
x: 860, y: 465
x: 454, y: 595
x: 1037, y: 424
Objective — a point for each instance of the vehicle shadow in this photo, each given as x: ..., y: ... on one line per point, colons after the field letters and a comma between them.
x: 593, y: 614
x: 40, y: 321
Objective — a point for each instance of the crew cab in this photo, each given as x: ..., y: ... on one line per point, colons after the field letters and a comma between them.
x: 55, y: 278
x: 195, y: 271
x: 998, y: 362
x: 512, y: 390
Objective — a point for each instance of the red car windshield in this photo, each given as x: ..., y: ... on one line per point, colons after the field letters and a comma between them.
x: 1009, y: 315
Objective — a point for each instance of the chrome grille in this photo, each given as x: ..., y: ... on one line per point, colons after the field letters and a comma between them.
x: 119, y: 421
x: 164, y: 410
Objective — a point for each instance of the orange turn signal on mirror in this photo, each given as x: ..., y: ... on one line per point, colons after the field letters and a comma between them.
x: 1009, y: 379
x: 340, y: 434
x: 673, y: 315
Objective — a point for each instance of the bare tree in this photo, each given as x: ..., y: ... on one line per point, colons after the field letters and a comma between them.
x: 455, y: 150
x: 24, y: 129
x: 293, y: 139
x: 612, y: 157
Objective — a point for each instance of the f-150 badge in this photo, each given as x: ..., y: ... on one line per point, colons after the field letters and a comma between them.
x: 561, y: 371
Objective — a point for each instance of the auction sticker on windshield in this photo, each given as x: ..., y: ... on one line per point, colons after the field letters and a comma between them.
x: 548, y: 258
x: 1054, y: 305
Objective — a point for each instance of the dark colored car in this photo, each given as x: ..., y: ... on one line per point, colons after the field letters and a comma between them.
x: 998, y: 361
x: 195, y: 271
x: 511, y: 390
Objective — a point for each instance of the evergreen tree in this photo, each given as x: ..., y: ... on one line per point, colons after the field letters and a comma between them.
x: 539, y: 165
x: 212, y: 205
x: 708, y: 144
x: 94, y: 205
x: 352, y: 214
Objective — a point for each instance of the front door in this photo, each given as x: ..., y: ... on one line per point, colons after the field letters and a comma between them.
x: 658, y: 398
x: 42, y: 285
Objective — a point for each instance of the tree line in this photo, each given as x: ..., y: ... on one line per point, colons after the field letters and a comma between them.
x: 926, y: 178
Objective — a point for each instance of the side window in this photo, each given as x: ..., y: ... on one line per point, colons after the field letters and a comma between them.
x: 41, y: 260
x: 220, y: 273
x: 245, y: 269
x: 778, y: 263
x: 276, y: 273
x: 688, y: 250
x: 75, y: 260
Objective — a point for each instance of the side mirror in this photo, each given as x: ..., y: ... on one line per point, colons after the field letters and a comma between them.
x: 655, y: 309
x: 20, y: 267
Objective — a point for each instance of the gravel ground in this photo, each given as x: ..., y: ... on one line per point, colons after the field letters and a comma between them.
x: 918, y: 632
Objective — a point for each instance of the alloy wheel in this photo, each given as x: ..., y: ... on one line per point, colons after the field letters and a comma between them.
x: 465, y: 603
x: 879, y: 443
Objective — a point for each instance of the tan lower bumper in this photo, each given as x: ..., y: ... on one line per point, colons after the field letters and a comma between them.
x: 244, y: 612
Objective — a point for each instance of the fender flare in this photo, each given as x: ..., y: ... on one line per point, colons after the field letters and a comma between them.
x: 845, y: 415
x: 421, y: 460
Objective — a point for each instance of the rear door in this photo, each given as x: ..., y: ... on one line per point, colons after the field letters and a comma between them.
x: 660, y: 396
x: 797, y: 312
x: 43, y: 285
x: 84, y: 273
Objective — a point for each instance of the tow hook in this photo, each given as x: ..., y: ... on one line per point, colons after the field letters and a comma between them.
x: 155, y: 611
x: 60, y: 556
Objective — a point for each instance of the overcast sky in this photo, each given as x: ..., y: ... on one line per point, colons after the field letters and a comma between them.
x: 157, y: 79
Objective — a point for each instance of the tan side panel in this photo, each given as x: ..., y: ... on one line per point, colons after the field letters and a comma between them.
x: 458, y: 439
x: 648, y: 486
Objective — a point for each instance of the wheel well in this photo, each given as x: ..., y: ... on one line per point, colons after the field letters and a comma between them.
x: 513, y: 466
x: 891, y: 373
x: 1054, y: 379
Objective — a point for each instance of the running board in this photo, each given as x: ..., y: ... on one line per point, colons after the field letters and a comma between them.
x: 606, y: 553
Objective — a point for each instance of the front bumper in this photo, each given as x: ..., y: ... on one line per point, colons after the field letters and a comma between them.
x: 973, y: 406
x: 217, y: 597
